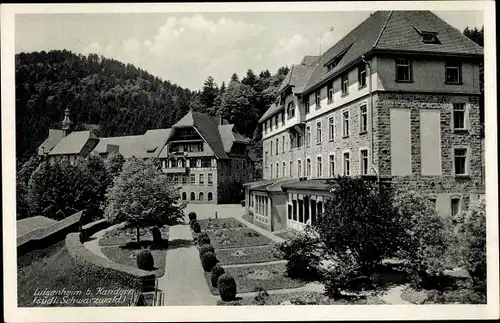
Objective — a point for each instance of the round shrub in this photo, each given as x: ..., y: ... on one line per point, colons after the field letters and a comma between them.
x: 195, y: 226
x: 227, y: 287
x: 203, y: 238
x: 217, y: 271
x: 206, y: 248
x: 155, y: 231
x: 192, y: 216
x: 208, y: 261
x: 145, y: 260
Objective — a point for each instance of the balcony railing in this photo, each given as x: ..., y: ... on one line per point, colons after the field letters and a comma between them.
x: 175, y: 170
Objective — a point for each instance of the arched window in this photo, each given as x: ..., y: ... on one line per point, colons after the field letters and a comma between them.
x: 192, y: 196
x: 200, y: 196
x: 210, y: 196
x: 180, y: 163
x: 183, y: 196
x: 290, y: 111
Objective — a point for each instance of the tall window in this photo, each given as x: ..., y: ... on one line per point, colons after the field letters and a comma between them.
x: 319, y: 133
x: 283, y: 145
x: 345, y: 123
x: 276, y: 121
x: 210, y: 182
x: 193, y: 179
x: 403, y: 70
x: 455, y: 206
x: 345, y: 84
x: 347, y: 164
x: 284, y: 169
x: 184, y: 180
x: 277, y: 170
x: 308, y: 167
x: 192, y: 196
x: 184, y: 196
x: 363, y: 161
x: 363, y: 115
x: 282, y: 118
x: 319, y: 167
x: 265, y: 158
x: 330, y: 92
x: 453, y: 73
x: 306, y: 104
x: 202, y: 180
x: 308, y: 135
x: 176, y: 179
x: 458, y: 116
x: 271, y: 147
x: 331, y: 128
x: 200, y: 196
x: 299, y: 168
x: 210, y: 196
x: 362, y: 75
x: 290, y: 169
x: 318, y: 99
x: 277, y: 146
x: 332, y: 165
x: 460, y: 158
x: 271, y: 171
x: 291, y: 110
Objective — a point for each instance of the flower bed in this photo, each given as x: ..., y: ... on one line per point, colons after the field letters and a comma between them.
x: 287, y: 234
x: 120, y: 236
x: 246, y: 255
x: 237, y: 238
x: 224, y: 223
x: 301, y: 298
x: 127, y: 257
x: 249, y: 278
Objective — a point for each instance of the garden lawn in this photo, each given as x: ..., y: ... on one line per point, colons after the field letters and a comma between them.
x: 225, y: 223
x: 120, y: 236
x: 302, y: 298
x: 246, y: 255
x: 268, y: 277
x: 127, y: 257
x: 462, y: 295
x: 237, y: 238
x: 59, y: 271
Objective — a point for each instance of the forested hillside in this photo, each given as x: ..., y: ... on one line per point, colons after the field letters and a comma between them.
x: 123, y: 99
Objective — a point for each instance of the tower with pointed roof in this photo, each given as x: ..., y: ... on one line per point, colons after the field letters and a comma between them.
x: 66, y: 123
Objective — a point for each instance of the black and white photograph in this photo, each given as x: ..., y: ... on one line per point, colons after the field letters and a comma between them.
x: 249, y: 161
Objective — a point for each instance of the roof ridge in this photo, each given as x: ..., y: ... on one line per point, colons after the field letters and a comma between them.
x: 383, y: 29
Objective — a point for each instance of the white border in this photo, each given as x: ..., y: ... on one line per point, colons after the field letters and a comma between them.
x: 243, y: 313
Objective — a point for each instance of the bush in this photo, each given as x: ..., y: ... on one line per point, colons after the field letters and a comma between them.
x: 208, y: 261
x: 227, y: 287
x: 192, y: 216
x: 302, y: 253
x: 216, y: 272
x: 359, y: 222
x: 472, y: 238
x: 423, y: 240
x: 206, y: 248
x: 155, y: 231
x: 195, y: 226
x: 145, y: 260
x: 203, y: 238
x: 340, y: 276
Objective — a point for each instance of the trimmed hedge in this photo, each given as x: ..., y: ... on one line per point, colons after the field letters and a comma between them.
x: 195, y: 226
x: 208, y: 261
x: 129, y: 276
x: 145, y: 260
x: 89, y: 229
x: 216, y: 272
x: 46, y: 236
x: 206, y: 248
x: 192, y: 216
x: 203, y: 238
x: 227, y: 287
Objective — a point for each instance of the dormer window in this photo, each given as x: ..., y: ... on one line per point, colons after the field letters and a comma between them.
x: 429, y: 38
x: 291, y: 110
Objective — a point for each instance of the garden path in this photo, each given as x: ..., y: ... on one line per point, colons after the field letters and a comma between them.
x: 184, y: 281
x: 93, y: 243
x: 393, y: 296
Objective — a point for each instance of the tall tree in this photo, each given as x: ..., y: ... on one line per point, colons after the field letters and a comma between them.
x: 476, y: 35
x: 209, y: 94
x: 250, y: 79
x: 235, y: 78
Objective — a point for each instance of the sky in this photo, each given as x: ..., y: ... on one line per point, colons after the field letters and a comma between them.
x: 186, y: 48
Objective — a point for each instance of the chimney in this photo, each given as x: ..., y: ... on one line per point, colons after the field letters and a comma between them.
x: 66, y: 123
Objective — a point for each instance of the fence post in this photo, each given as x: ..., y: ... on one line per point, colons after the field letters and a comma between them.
x: 216, y: 214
